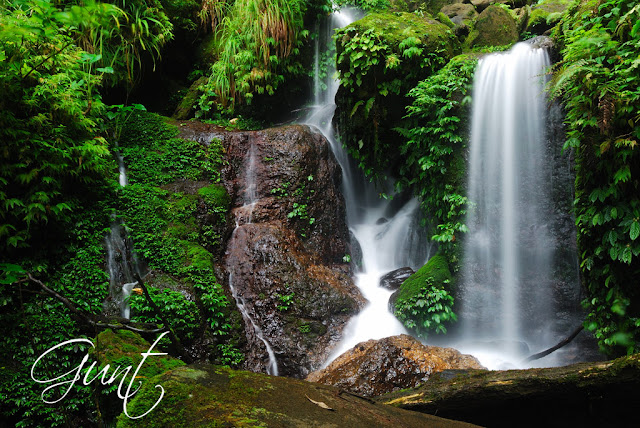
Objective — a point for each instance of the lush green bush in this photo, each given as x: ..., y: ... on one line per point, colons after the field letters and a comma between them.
x: 257, y: 47
x: 599, y: 81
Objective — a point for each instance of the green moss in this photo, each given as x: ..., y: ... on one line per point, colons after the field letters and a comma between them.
x: 495, y: 26
x: 186, y: 107
x: 441, y: 17
x: 216, y: 197
x: 436, y: 271
x: 198, y: 257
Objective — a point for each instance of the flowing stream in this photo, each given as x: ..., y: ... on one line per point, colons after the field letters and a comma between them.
x: 386, y: 230
x: 244, y: 216
x: 507, y: 278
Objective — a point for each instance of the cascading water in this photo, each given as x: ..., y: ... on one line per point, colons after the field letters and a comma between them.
x: 244, y: 216
x: 122, y: 263
x: 507, y: 302
x: 387, y: 231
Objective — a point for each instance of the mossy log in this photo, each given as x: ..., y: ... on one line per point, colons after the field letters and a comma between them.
x: 587, y: 394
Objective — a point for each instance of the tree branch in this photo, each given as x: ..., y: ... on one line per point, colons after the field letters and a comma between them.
x: 560, y: 344
x: 84, y: 318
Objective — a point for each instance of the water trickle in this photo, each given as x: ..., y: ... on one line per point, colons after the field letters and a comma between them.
x: 244, y: 216
x: 122, y: 263
x: 388, y: 231
x: 506, y: 288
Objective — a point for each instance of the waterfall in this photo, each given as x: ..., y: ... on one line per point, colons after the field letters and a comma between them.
x: 506, y: 291
x: 387, y: 230
x: 244, y: 216
x: 122, y: 263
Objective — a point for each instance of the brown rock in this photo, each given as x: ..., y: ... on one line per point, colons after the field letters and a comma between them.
x: 376, y: 367
x: 285, y: 258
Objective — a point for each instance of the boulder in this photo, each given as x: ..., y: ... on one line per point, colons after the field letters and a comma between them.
x: 393, y: 280
x: 495, y: 26
x: 209, y: 396
x: 435, y: 271
x: 600, y: 394
x: 460, y: 13
x: 285, y: 261
x: 379, y: 366
x: 545, y: 15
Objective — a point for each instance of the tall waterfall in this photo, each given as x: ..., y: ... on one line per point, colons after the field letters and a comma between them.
x: 387, y: 231
x: 509, y: 254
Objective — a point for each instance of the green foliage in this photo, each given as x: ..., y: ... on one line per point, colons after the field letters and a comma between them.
x: 162, y: 223
x: 123, y: 34
x: 599, y: 82
x: 49, y: 123
x: 367, y: 5
x: 422, y: 303
x: 286, y: 300
x: 257, y: 45
x: 379, y: 59
x: 434, y: 141
x: 181, y: 312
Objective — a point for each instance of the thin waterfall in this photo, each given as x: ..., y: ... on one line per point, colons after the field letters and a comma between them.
x: 244, y: 216
x: 122, y: 264
x: 506, y: 288
x: 387, y: 231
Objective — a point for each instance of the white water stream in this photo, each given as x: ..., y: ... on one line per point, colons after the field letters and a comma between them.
x: 387, y: 231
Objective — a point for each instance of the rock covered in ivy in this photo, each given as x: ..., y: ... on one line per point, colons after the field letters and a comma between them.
x: 495, y: 26
x: 209, y: 396
x: 435, y: 271
x: 380, y: 58
x: 376, y: 367
x: 394, y: 279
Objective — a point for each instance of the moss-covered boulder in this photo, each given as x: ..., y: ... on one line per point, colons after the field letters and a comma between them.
x: 423, y: 303
x: 545, y: 15
x: 436, y: 271
x: 601, y: 394
x: 186, y: 107
x: 495, y: 26
x: 208, y: 396
x: 379, y: 59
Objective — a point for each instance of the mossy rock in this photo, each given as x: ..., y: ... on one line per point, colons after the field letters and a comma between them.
x: 186, y: 107
x: 216, y: 198
x: 495, y: 26
x: 430, y: 6
x: 209, y: 396
x: 372, y: 99
x: 546, y: 14
x: 436, y: 272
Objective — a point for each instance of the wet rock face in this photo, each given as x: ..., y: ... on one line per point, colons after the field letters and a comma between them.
x: 284, y: 260
x: 377, y: 367
x: 296, y: 181
x: 394, y: 279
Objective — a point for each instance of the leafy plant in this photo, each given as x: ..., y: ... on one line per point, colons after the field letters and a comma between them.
x: 427, y: 311
x: 434, y: 140
x: 257, y: 45
x: 599, y: 81
x: 286, y: 301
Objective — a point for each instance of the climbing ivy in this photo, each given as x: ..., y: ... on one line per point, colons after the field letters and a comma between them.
x: 433, y: 149
x: 599, y: 82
